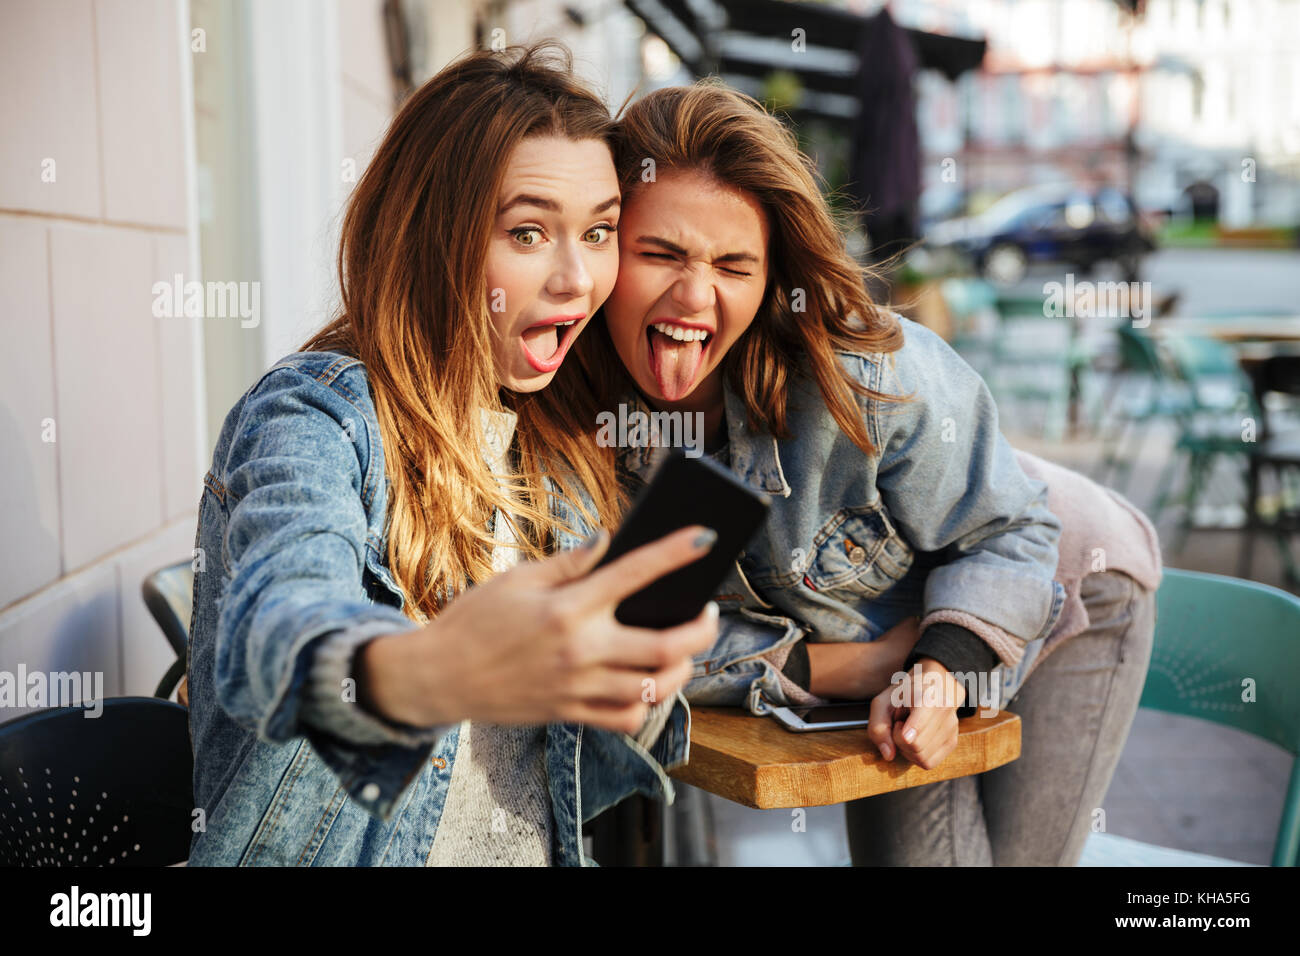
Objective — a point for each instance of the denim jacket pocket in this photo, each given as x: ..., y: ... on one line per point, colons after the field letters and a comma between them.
x: 858, y: 553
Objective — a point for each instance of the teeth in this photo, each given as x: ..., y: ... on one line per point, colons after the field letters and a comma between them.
x: 560, y: 325
x: 680, y: 334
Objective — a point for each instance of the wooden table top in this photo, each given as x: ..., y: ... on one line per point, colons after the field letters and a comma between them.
x: 757, y: 762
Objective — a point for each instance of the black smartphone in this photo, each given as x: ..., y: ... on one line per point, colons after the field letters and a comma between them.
x: 685, y: 491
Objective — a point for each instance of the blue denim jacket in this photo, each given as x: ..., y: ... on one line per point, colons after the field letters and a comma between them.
x: 941, y: 517
x: 289, y: 562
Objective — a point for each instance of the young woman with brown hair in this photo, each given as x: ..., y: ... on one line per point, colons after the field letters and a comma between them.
x: 895, y: 496
x: 370, y: 680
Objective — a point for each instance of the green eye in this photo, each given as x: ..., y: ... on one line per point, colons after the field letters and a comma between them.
x: 602, y: 231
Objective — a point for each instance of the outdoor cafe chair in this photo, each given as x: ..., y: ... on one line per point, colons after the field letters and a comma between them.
x: 169, y: 595
x: 112, y: 790
x: 1226, y: 651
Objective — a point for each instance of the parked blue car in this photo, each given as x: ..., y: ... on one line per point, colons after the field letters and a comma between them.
x: 1067, y: 225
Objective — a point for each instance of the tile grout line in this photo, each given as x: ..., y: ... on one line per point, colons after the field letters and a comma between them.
x: 54, y: 391
x: 99, y: 109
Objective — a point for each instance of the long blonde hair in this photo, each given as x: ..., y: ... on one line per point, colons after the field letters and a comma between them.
x: 411, y: 266
x: 712, y: 129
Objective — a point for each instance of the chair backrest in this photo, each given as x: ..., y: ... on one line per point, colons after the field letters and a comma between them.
x: 1228, y: 651
x: 116, y: 789
x: 1138, y: 352
x: 169, y: 595
x: 1209, y: 365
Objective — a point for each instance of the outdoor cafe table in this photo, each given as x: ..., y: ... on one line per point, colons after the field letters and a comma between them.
x: 756, y: 762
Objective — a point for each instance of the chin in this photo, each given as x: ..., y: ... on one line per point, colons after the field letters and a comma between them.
x: 531, y: 383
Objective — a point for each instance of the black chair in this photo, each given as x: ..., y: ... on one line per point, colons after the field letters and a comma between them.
x: 1278, y: 454
x: 169, y: 595
x: 116, y: 789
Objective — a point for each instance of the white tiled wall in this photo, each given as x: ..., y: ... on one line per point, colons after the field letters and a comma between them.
x: 48, y: 111
x: 137, y: 48
x: 29, y: 481
x: 107, y: 386
x: 98, y: 428
x: 101, y: 424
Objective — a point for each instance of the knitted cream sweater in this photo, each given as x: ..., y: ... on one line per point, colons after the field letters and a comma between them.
x: 498, y: 805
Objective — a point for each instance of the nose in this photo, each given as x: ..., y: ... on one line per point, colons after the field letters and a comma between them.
x: 570, y: 278
x: 693, y: 292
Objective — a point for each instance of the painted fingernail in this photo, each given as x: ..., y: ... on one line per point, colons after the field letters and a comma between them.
x: 711, y: 610
x: 704, y: 540
x: 909, y: 734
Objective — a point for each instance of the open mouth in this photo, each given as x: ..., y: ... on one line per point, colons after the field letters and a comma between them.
x: 545, y: 345
x: 676, y: 353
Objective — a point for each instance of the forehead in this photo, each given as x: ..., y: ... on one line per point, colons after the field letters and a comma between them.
x: 698, y: 213
x: 547, y: 166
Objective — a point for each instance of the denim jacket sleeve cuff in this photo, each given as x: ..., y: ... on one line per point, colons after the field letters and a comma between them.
x: 326, y: 705
x: 374, y: 777
x: 792, y: 691
x: 739, y: 670
x: 1009, y: 648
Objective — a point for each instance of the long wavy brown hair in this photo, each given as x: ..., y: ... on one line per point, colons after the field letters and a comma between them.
x: 411, y: 266
x: 712, y: 129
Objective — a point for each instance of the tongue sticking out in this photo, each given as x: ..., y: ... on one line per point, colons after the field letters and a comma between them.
x: 674, y: 364
x: 542, y: 341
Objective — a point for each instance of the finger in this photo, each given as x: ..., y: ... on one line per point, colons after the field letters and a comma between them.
x: 880, y: 723
x: 622, y: 720
x: 611, y: 687
x: 936, y: 736
x: 916, y: 726
x: 925, y: 725
x: 905, y: 747
x: 647, y: 648
x: 636, y: 569
x: 669, y: 681
x: 568, y: 565
x: 937, y: 750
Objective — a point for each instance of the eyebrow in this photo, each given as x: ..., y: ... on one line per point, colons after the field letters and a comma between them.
x: 541, y: 202
x: 673, y: 247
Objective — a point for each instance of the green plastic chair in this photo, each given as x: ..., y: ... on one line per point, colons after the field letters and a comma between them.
x: 1212, y: 634
x: 1210, y: 426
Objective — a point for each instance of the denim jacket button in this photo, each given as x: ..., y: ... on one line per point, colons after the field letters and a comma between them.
x: 370, y: 792
x: 857, y: 556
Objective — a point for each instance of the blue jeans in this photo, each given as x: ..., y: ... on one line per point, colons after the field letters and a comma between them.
x: 1076, y: 709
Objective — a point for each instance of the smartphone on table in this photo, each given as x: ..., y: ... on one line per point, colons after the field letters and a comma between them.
x: 685, y: 491
x: 824, y: 717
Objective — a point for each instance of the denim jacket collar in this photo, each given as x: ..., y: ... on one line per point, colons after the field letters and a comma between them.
x: 755, y: 457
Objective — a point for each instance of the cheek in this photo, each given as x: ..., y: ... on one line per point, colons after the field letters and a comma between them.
x: 742, y: 307
x: 604, y: 277
x: 506, y: 289
x: 627, y: 304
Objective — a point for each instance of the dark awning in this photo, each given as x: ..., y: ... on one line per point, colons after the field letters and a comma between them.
x: 745, y: 40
